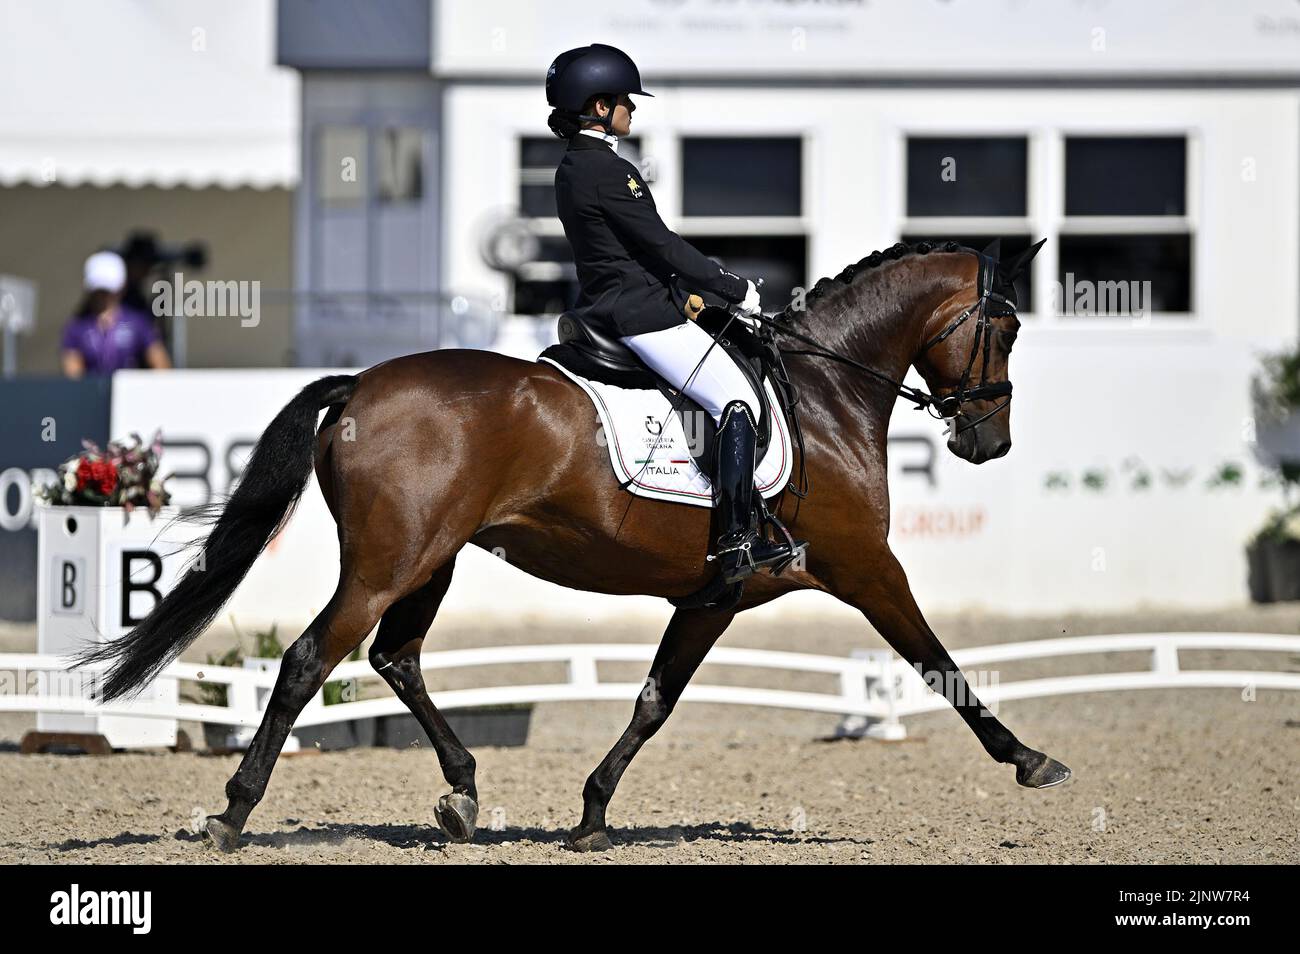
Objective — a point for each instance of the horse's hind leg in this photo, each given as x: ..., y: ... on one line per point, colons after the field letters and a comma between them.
x: 688, y: 639
x: 340, y: 628
x: 395, y: 654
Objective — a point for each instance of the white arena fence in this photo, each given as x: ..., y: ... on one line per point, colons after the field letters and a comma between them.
x: 876, y: 688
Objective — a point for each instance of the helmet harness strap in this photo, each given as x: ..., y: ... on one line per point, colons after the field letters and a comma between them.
x: 607, y: 121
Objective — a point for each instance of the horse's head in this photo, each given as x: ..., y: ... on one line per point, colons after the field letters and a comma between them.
x: 966, y: 347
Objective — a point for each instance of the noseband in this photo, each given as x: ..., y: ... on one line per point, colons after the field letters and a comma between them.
x: 949, y: 405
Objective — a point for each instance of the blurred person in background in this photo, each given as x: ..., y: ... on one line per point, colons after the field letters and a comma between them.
x: 105, y: 334
x: 145, y: 255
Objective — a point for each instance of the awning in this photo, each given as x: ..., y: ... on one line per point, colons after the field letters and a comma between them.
x: 145, y: 92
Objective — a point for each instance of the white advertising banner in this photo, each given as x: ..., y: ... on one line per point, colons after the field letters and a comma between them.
x: 1129, y: 483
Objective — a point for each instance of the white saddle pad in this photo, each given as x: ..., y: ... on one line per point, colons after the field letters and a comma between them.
x: 650, y: 450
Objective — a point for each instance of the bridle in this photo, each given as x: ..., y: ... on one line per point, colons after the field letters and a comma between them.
x: 949, y: 405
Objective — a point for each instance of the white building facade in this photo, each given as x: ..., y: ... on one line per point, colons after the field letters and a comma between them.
x: 1157, y: 143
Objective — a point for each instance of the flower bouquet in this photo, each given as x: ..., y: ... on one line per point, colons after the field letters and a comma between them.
x: 124, y: 474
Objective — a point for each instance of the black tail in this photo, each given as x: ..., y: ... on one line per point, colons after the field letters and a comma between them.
x: 263, y: 501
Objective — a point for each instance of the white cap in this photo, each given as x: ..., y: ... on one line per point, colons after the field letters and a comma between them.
x: 105, y: 271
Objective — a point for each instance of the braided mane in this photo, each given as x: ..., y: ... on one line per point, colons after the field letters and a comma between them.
x: 827, y: 286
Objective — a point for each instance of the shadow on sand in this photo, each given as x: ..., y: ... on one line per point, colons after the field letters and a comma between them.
x: 427, y: 837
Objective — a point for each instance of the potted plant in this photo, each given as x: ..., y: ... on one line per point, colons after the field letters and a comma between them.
x: 1274, y: 558
x: 1275, y: 393
x: 1273, y: 554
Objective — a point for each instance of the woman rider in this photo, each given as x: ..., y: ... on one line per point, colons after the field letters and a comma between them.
x: 637, y: 277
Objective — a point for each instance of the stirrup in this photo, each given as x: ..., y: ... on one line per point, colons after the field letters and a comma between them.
x: 772, y: 556
x: 744, y: 565
x: 797, y: 548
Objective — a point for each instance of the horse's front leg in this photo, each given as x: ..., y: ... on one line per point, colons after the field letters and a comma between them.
x: 880, y: 591
x: 688, y: 639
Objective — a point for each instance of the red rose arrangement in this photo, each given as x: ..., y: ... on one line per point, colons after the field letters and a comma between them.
x: 102, y: 474
x: 123, y: 474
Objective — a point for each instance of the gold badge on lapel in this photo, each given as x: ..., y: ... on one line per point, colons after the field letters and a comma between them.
x: 634, y: 187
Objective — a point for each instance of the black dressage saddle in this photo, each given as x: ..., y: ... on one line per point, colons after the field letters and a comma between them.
x: 591, y: 352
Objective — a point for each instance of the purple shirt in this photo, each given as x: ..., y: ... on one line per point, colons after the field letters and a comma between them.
x: 121, y: 345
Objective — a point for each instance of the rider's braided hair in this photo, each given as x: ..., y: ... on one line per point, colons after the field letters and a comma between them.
x: 565, y: 123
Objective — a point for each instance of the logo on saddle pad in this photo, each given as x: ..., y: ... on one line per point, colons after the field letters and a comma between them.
x: 634, y: 187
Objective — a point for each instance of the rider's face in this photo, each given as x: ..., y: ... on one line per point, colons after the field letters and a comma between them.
x: 622, y: 123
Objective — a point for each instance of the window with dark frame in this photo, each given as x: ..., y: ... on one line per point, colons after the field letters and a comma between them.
x: 1138, y: 184
x: 967, y: 176
x: 971, y: 177
x: 724, y: 176
x: 1125, y: 202
x: 748, y: 178
x: 1126, y: 175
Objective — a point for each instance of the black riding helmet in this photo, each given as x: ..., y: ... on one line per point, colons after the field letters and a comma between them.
x: 577, y: 75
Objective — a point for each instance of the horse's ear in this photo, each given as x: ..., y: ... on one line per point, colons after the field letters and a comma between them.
x: 994, y: 249
x: 1014, y: 268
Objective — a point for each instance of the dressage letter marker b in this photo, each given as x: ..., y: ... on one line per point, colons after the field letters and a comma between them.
x: 67, y: 586
x: 130, y: 586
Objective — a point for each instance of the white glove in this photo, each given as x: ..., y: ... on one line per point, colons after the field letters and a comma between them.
x: 751, y: 305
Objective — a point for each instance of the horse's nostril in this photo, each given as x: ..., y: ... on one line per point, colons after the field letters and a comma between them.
x: 1002, y: 448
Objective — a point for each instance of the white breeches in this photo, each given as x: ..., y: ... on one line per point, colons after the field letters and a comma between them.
x: 674, y: 355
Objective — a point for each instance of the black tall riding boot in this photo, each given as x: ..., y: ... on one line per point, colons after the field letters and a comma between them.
x: 741, y: 548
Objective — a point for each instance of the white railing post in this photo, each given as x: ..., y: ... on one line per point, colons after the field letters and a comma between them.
x: 241, y: 697
x: 888, y: 729
x: 1164, y: 658
x: 868, y: 677
x: 582, y: 669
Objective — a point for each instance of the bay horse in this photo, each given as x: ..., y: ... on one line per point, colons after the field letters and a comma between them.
x: 456, y: 446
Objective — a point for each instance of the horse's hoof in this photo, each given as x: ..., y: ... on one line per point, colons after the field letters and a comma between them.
x: 590, y: 841
x: 221, y: 833
x: 457, y: 814
x: 1037, y: 770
